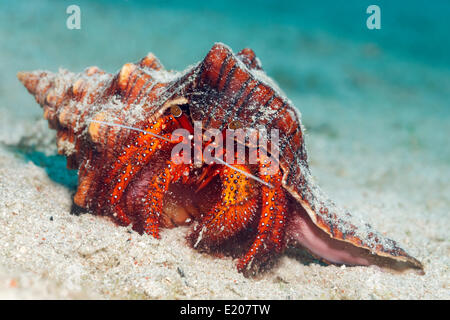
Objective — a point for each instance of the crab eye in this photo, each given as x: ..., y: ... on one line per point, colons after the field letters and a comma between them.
x: 176, y: 111
x: 235, y: 124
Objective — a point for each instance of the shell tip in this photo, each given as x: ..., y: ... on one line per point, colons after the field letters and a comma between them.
x: 22, y: 76
x: 29, y: 79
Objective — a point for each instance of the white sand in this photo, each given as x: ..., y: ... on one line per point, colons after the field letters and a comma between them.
x: 87, y: 256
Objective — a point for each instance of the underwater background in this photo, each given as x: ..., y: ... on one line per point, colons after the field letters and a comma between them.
x: 390, y: 86
x: 375, y: 104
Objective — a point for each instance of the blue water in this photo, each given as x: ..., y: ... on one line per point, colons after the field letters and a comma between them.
x: 387, y: 88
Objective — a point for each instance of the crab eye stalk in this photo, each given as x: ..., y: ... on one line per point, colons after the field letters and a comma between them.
x: 234, y: 125
x: 176, y: 111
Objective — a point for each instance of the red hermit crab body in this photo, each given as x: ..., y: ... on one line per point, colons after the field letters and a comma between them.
x: 134, y: 139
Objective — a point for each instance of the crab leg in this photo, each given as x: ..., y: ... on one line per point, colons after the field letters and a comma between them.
x: 271, y: 227
x: 132, y: 158
x: 233, y: 213
x: 158, y: 186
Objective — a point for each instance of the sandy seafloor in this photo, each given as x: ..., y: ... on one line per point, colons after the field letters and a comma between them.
x: 377, y: 122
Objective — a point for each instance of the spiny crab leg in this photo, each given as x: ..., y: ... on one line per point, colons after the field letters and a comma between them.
x: 234, y: 211
x: 135, y: 156
x: 158, y: 186
x: 270, y: 233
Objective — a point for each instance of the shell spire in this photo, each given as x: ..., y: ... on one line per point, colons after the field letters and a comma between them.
x: 64, y: 96
x: 70, y: 100
x: 30, y: 80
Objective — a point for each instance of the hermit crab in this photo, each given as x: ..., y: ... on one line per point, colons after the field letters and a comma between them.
x: 148, y: 147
